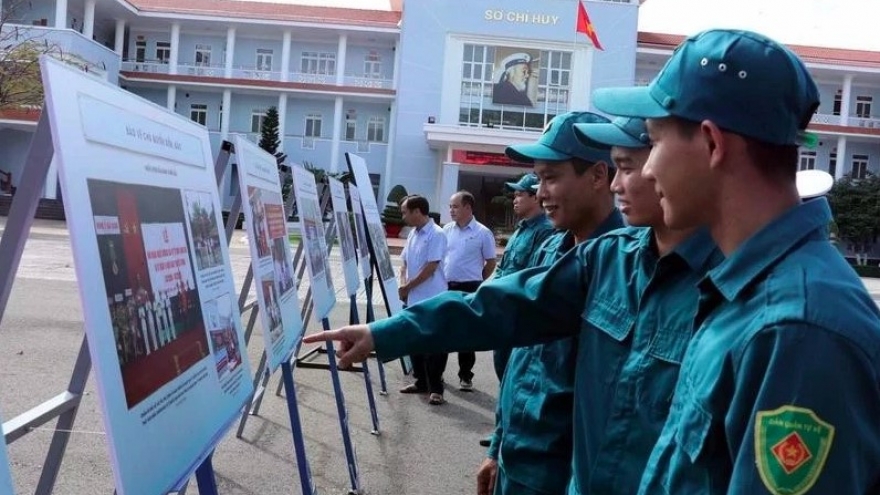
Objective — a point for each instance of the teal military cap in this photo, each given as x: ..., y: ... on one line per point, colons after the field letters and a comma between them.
x: 742, y: 81
x: 627, y: 132
x: 524, y: 184
x: 558, y: 143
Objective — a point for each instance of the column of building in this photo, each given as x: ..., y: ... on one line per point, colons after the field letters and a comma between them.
x: 841, y: 167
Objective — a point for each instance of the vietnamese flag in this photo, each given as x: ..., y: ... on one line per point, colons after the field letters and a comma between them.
x: 584, y: 25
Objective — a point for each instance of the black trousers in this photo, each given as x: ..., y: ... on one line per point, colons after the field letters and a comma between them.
x: 428, y: 371
x: 466, y: 360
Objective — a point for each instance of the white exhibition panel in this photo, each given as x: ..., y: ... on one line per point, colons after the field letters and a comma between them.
x: 271, y: 257
x: 311, y: 226
x: 376, y: 231
x: 152, y: 264
x: 344, y: 236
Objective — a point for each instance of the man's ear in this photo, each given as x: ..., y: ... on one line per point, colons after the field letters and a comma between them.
x: 600, y: 174
x: 716, y: 142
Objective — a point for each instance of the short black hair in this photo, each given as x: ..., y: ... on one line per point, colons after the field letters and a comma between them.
x: 776, y: 162
x: 416, y: 202
x: 466, y: 198
x: 580, y: 166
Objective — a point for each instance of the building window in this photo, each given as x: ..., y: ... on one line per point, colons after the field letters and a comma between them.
x: 264, y: 59
x: 808, y: 160
x: 513, y: 87
x: 859, y: 166
x: 863, y: 106
x: 198, y: 112
x: 163, y: 51
x: 257, y: 117
x: 203, y: 55
x: 313, y: 125
x: 832, y: 164
x: 373, y: 66
x: 140, y: 50
x: 376, y: 129
x: 838, y: 102
x: 350, y: 130
x: 318, y: 63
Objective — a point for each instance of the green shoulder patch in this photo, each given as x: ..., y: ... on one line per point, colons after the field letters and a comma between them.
x: 791, y: 446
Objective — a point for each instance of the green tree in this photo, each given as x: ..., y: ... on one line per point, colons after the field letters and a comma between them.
x: 269, y: 139
x: 856, y: 207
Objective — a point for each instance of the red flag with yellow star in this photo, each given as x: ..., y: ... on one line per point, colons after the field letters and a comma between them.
x: 584, y: 25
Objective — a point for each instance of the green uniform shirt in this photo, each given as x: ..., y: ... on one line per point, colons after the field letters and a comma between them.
x: 529, y: 235
x: 633, y: 312
x: 532, y: 439
x: 780, y: 388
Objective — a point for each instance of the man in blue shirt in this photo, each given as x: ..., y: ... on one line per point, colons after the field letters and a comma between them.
x: 780, y: 387
x: 421, y: 277
x: 629, y: 296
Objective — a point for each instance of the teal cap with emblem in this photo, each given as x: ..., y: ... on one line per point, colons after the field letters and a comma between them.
x: 626, y: 132
x: 742, y: 81
x: 524, y: 184
x: 558, y: 142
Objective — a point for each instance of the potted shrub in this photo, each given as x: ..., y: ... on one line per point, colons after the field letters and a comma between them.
x: 391, y: 215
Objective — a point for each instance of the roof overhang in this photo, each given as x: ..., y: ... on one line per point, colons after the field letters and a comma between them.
x: 443, y: 136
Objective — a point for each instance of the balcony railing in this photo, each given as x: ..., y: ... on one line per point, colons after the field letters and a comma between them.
x: 156, y: 67
x: 68, y: 45
x: 367, y: 82
x: 852, y: 121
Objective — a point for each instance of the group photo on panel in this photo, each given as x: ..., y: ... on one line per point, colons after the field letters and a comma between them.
x: 591, y: 267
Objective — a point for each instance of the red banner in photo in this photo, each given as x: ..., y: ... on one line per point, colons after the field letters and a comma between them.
x: 275, y: 219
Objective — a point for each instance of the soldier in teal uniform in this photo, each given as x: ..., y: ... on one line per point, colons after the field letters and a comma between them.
x: 531, y: 449
x: 629, y: 296
x: 532, y: 228
x: 779, y: 390
x: 531, y: 231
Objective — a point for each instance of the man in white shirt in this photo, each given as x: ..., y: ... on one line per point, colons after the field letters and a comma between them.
x: 421, y: 277
x: 470, y: 259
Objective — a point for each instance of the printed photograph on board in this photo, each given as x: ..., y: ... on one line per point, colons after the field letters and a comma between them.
x: 206, y: 232
x: 148, y: 275
x: 271, y: 306
x: 281, y: 265
x: 515, y: 77
x: 310, y: 217
x: 343, y: 222
x: 221, y: 327
x: 259, y: 224
x: 383, y: 259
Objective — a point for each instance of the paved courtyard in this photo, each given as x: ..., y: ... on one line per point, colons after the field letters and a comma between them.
x: 421, y: 450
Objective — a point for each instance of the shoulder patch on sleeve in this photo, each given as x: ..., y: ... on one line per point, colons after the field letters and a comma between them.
x: 791, y: 446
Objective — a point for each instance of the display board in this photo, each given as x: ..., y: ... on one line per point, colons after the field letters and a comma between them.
x: 159, y: 303
x: 271, y: 258
x: 311, y: 227
x: 5, y: 475
x: 344, y: 236
x: 361, y: 247
x: 375, y: 231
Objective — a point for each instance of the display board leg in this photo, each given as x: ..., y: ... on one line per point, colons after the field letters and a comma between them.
x: 205, y: 479
x: 66, y: 420
x: 354, y: 319
x: 302, y: 463
x: 371, y: 317
x: 350, y: 456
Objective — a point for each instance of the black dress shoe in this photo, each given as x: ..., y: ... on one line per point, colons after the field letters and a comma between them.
x: 485, y: 442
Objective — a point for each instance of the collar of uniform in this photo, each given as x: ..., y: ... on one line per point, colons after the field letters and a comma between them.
x: 532, y: 221
x: 696, y: 249
x: 613, y: 221
x: 769, y: 245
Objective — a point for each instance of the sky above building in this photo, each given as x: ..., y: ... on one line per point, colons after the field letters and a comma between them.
x: 827, y: 23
